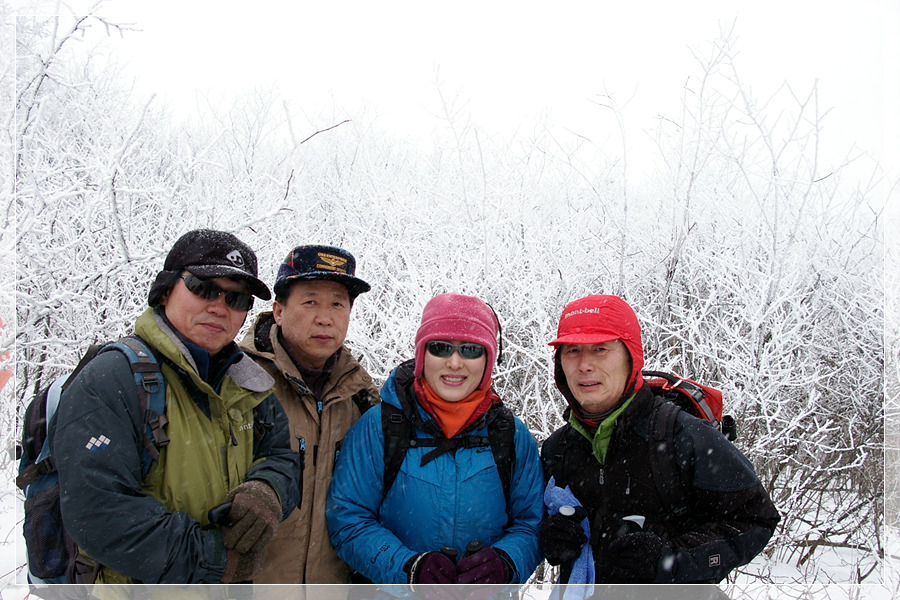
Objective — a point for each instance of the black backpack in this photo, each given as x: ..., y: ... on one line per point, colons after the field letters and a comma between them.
x: 51, y: 552
x: 399, y: 436
x: 674, y: 394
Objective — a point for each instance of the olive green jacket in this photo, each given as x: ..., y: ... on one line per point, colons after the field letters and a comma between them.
x: 153, y: 530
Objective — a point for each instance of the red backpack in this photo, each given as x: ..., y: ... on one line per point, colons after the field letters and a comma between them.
x: 697, y: 399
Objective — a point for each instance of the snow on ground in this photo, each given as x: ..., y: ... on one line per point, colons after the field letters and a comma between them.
x: 12, y: 548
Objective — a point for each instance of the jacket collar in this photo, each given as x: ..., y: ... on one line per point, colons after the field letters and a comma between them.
x: 263, y: 340
x: 156, y: 330
x: 399, y: 390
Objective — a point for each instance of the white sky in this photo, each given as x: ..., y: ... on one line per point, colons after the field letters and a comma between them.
x: 515, y: 61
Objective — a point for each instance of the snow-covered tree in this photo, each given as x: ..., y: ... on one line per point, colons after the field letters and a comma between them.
x: 750, y: 267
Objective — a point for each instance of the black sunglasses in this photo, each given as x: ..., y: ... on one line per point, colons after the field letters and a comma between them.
x: 444, y: 349
x: 210, y: 291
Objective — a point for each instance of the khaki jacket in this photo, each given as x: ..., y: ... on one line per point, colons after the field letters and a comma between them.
x: 301, y: 551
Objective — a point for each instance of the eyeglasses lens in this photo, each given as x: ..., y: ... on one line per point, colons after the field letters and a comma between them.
x: 210, y: 291
x: 444, y: 349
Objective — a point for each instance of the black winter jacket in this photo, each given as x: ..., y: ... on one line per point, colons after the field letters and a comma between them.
x: 729, y: 517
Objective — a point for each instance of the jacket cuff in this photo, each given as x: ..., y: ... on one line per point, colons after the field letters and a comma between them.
x: 215, y: 568
x: 279, y: 492
x: 511, y: 574
x: 412, y: 566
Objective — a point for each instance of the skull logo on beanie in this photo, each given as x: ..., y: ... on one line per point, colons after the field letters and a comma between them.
x: 458, y: 317
x: 208, y: 253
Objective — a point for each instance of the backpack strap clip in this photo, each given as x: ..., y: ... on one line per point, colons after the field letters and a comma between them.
x: 151, y: 382
x: 476, y: 441
x: 34, y: 471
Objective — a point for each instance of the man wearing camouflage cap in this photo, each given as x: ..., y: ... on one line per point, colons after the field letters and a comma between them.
x: 323, y: 390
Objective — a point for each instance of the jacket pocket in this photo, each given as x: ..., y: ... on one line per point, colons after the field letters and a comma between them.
x: 50, y: 549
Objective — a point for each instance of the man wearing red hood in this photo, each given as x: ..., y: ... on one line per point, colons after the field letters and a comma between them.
x: 603, y: 455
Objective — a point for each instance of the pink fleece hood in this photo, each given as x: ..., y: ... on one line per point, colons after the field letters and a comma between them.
x: 458, y: 317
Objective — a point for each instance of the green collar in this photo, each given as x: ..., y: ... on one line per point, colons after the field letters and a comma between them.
x: 600, y: 439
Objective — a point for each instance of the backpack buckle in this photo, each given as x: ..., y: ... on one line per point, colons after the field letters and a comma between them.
x: 694, y: 391
x: 475, y: 441
x: 33, y: 472
x: 151, y: 382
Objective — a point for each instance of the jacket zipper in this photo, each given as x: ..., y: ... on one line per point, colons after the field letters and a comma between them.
x: 336, y: 384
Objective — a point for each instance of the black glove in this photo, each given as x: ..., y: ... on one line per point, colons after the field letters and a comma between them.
x: 562, y: 537
x: 485, y: 566
x: 432, y: 567
x: 634, y: 558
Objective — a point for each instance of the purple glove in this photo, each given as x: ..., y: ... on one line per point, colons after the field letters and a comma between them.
x: 485, y: 566
x: 433, y: 567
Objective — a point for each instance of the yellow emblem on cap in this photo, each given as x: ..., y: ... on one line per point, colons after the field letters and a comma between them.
x: 332, y: 262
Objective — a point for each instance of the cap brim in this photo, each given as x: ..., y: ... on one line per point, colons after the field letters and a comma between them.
x: 257, y: 287
x: 355, y: 286
x: 583, y: 338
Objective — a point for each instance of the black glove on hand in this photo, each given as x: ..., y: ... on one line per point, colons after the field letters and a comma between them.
x: 634, y: 558
x: 433, y: 567
x: 561, y: 538
x: 254, y: 517
x: 485, y: 566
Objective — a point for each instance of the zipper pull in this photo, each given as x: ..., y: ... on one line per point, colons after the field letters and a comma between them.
x: 601, y: 477
x: 319, y: 406
x: 233, y: 437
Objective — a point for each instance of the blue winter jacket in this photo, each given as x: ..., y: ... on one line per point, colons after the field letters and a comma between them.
x: 452, y: 500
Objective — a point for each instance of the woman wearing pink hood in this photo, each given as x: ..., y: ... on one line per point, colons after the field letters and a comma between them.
x: 461, y: 505
x: 603, y: 455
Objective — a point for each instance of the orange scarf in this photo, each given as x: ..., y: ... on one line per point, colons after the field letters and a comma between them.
x: 453, y: 417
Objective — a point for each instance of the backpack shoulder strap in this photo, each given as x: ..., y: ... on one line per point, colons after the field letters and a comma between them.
x: 553, y: 453
x: 151, y: 391
x: 36, y: 424
x: 398, y: 438
x: 668, y: 481
x: 397, y: 433
x: 502, y: 432
x: 89, y: 354
x: 361, y: 400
